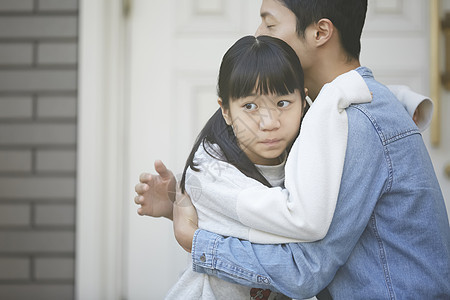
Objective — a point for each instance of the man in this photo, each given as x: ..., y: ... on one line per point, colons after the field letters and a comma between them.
x: 389, y: 237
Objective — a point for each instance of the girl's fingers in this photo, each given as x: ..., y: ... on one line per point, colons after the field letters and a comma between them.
x: 145, y: 177
x: 162, y: 170
x: 137, y: 200
x: 141, y: 188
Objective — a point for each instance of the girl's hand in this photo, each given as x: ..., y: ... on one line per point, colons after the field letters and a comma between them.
x: 156, y: 193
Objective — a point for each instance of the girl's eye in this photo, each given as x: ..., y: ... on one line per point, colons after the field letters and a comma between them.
x: 250, y: 106
x: 283, y: 103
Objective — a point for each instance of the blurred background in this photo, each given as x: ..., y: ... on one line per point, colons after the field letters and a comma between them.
x: 92, y: 92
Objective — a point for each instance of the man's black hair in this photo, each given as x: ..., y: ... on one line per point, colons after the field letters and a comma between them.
x: 348, y: 16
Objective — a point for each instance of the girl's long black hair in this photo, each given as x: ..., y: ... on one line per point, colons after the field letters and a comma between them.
x: 265, y: 65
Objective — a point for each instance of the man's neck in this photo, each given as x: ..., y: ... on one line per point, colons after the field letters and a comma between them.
x: 326, y: 72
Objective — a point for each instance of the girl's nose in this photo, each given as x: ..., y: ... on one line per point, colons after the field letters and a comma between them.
x: 269, y: 120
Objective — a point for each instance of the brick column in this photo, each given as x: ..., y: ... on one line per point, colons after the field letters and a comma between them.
x: 38, y: 99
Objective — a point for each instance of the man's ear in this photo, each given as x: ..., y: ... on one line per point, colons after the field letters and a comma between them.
x: 324, y: 30
x: 225, y: 112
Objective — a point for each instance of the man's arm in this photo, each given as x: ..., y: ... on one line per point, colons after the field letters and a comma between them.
x: 302, y: 270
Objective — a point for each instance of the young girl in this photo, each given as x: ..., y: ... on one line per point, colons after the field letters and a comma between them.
x: 243, y: 149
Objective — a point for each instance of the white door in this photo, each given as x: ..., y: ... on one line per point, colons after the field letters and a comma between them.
x: 175, y: 49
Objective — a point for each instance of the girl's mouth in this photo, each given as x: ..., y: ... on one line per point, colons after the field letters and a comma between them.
x: 270, y: 142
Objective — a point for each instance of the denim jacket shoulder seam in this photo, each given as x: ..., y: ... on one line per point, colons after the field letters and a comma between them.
x: 402, y: 135
x: 383, y: 138
x: 372, y: 120
x: 383, y: 143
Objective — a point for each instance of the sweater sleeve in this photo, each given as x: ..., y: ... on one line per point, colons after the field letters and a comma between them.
x: 413, y: 101
x: 214, y: 188
x: 313, y: 169
x: 214, y: 192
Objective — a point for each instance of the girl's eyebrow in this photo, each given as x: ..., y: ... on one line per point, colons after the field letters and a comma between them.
x: 263, y: 95
x: 254, y: 95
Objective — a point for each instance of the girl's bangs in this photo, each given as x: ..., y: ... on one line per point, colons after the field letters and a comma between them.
x: 263, y: 76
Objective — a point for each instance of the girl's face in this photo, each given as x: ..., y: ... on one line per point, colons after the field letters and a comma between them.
x: 265, y: 125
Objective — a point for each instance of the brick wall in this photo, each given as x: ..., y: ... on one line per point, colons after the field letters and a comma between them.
x: 38, y: 98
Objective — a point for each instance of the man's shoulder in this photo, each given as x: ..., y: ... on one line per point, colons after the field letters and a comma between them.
x: 386, y: 115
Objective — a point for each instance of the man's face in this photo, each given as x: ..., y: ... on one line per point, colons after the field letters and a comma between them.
x: 280, y: 22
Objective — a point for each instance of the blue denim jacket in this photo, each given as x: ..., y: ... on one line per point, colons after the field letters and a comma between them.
x: 390, y: 235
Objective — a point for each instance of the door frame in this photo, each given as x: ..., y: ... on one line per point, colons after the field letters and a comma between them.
x: 101, y: 151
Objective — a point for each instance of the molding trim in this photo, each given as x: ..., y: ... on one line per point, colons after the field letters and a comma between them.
x: 209, y: 16
x: 405, y: 16
x: 195, y: 95
x: 101, y: 151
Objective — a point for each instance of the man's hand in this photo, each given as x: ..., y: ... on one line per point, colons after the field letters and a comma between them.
x: 185, y: 221
x: 156, y: 193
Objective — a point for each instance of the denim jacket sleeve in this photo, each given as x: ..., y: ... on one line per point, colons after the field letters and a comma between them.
x: 302, y: 270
